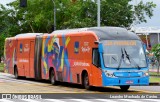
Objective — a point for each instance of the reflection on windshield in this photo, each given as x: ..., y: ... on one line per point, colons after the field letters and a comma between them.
x: 123, y: 54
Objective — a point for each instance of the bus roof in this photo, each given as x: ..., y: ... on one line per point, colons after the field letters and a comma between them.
x: 28, y: 34
x: 105, y: 33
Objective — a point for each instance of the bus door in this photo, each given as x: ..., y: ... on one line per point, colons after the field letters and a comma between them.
x: 96, y: 68
x: 31, y: 59
x: 20, y: 65
x: 26, y: 52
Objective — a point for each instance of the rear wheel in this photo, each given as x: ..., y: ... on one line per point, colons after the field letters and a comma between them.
x: 52, y: 78
x: 86, y: 82
x: 16, y: 73
x: 124, y: 88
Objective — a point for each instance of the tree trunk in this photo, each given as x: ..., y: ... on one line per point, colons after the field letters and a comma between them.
x: 31, y: 27
x: 158, y: 65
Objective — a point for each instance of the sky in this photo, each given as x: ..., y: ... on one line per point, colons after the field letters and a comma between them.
x: 153, y: 22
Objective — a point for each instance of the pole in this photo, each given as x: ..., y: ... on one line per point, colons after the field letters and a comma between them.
x: 98, y: 13
x: 158, y: 38
x: 54, y: 14
x: 147, y: 39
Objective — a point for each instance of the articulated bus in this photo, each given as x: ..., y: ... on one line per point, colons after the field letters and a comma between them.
x: 95, y: 56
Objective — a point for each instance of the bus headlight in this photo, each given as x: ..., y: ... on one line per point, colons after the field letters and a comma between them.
x: 145, y: 74
x: 109, y: 74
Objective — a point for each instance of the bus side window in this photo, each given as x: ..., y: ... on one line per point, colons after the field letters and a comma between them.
x: 95, y: 57
x: 21, y: 47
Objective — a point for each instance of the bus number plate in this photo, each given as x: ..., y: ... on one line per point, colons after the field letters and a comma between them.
x: 129, y: 82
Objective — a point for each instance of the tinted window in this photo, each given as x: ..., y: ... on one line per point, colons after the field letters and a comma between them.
x: 95, y: 57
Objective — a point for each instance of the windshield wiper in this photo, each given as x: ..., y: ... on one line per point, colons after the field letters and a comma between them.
x: 127, y: 56
x: 130, y: 58
x: 122, y: 57
x: 114, y: 59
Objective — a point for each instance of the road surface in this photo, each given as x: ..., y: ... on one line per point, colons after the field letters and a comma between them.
x: 8, y: 84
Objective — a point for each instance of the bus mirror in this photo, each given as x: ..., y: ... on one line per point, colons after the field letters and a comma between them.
x: 96, y: 42
x: 100, y: 47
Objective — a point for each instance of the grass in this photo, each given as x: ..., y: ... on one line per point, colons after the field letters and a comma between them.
x: 154, y: 79
x: 1, y: 67
x: 154, y: 73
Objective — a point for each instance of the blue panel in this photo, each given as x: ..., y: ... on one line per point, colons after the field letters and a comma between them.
x: 107, y: 81
x: 125, y: 76
x: 128, y: 74
x: 100, y: 48
x: 76, y: 47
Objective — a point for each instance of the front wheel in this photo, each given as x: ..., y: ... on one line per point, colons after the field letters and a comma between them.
x: 125, y: 88
x: 52, y: 79
x: 86, y: 82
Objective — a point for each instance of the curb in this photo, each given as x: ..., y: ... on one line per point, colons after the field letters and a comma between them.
x: 155, y: 75
x: 2, y: 71
x: 152, y: 84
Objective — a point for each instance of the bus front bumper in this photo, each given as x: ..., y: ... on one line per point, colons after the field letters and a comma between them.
x: 126, y: 81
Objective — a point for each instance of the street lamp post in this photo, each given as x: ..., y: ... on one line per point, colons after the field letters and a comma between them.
x: 98, y: 13
x: 54, y: 14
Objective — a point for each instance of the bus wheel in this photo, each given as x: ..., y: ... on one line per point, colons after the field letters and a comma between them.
x: 86, y: 82
x: 16, y: 73
x: 125, y: 87
x: 52, y: 79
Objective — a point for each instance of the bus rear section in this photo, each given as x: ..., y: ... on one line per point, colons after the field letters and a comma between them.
x: 9, y: 55
x: 23, y: 55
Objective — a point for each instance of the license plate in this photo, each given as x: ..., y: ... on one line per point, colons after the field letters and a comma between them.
x: 129, y: 82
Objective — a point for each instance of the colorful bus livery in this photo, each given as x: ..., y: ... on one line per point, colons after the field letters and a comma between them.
x: 96, y: 56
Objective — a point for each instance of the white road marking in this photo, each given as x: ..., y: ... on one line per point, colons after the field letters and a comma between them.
x: 152, y: 100
x: 30, y: 100
x: 106, y: 100
x: 80, y: 100
x: 55, y: 100
x: 5, y: 100
x: 130, y: 100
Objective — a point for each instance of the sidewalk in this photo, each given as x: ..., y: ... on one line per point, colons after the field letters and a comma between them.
x: 153, y: 70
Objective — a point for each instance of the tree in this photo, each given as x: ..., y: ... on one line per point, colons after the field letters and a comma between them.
x: 122, y: 13
x: 81, y: 13
x: 156, y: 52
x: 38, y: 16
x: 8, y: 25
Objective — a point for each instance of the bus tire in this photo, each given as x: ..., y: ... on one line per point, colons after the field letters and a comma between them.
x: 86, y: 82
x: 53, y: 78
x: 125, y: 87
x: 16, y: 73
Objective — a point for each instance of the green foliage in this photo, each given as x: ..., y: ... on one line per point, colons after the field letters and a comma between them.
x: 38, y: 16
x: 154, y: 79
x: 154, y: 74
x: 144, y: 9
x: 1, y: 67
x: 156, y: 50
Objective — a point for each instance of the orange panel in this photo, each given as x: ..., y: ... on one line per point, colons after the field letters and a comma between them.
x: 31, y: 59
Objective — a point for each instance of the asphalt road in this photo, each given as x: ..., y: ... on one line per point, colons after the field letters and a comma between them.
x: 8, y: 84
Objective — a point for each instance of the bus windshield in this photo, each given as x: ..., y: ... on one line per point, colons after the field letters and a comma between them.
x: 123, y: 54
